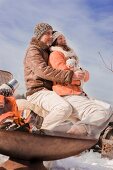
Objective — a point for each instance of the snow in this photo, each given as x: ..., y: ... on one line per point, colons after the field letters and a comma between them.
x: 86, y: 161
x: 3, y: 158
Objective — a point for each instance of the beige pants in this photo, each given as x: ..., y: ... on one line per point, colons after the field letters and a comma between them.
x: 93, y: 113
x: 24, y: 104
x: 55, y: 109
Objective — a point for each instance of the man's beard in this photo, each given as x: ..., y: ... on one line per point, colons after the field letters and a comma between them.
x: 49, y: 43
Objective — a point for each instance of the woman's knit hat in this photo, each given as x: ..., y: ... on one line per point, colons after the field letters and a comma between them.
x: 41, y: 28
x: 55, y: 35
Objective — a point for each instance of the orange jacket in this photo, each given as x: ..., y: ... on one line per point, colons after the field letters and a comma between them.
x: 58, y: 61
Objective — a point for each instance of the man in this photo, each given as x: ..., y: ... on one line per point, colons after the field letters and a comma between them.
x: 39, y: 77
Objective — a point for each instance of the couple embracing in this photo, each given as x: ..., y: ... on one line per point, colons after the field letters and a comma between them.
x: 54, y: 82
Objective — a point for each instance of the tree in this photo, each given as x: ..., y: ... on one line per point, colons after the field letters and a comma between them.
x: 110, y: 66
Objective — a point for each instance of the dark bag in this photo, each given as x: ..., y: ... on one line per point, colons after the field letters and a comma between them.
x: 107, y: 143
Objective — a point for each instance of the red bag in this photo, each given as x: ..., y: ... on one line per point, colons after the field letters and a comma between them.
x: 10, y: 115
x: 9, y: 112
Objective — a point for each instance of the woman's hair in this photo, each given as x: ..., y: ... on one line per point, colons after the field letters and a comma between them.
x: 55, y: 42
x: 65, y: 47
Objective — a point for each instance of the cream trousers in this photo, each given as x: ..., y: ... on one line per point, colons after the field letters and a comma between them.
x: 55, y: 109
x: 93, y: 113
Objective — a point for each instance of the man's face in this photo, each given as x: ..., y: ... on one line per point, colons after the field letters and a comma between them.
x: 61, y: 40
x: 47, y: 37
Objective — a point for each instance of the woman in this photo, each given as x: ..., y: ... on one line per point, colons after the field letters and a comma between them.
x: 93, y: 117
x: 66, y: 59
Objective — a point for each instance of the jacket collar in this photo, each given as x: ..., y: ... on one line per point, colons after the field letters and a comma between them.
x: 67, y: 54
x: 40, y: 44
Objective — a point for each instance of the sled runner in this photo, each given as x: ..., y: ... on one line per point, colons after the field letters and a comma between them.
x: 48, y: 145
x: 45, y: 146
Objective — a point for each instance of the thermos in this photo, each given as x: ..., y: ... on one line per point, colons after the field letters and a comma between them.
x: 13, y: 84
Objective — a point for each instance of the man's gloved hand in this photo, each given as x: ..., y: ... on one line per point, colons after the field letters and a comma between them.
x: 5, y: 90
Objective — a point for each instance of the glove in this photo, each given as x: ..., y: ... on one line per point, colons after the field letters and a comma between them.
x: 5, y: 90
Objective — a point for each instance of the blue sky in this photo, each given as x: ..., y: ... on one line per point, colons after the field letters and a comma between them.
x: 87, y: 24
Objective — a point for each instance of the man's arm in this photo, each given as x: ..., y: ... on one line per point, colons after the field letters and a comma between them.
x: 57, y: 61
x: 41, y: 69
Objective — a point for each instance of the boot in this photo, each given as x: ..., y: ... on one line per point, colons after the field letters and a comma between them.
x: 78, y: 130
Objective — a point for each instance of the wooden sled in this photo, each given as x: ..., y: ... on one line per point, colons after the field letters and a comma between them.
x: 28, y: 150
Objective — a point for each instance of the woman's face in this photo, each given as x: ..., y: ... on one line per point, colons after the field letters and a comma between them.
x: 61, y: 40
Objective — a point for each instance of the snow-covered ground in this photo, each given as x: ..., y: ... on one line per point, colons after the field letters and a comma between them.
x: 3, y: 158
x: 86, y: 161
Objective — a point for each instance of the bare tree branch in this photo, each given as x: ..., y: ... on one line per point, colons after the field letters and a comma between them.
x: 110, y: 68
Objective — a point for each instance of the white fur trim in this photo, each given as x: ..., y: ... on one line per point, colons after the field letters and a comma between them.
x: 67, y: 54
